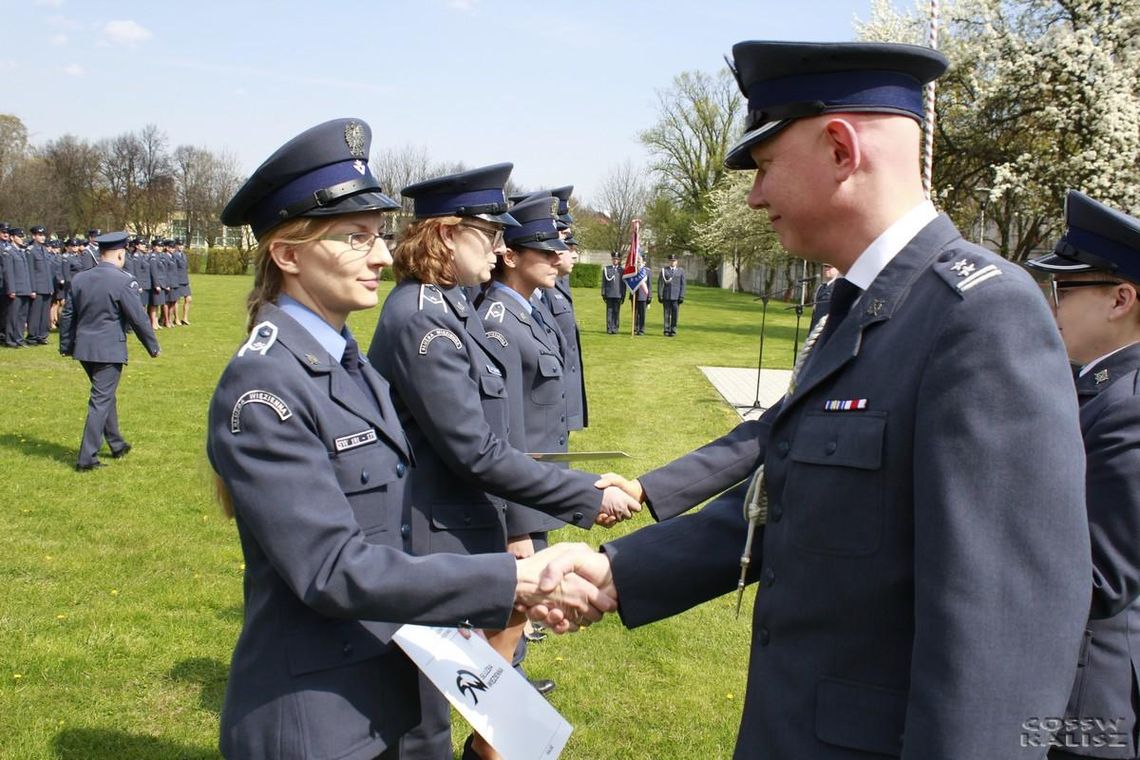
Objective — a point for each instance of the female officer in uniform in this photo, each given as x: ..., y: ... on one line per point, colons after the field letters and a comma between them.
x: 311, y: 462
x: 449, y: 382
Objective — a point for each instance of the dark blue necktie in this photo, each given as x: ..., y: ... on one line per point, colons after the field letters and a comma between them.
x: 536, y: 313
x: 843, y: 294
x: 353, y: 366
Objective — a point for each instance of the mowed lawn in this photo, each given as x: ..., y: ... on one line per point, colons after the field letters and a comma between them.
x: 122, y: 587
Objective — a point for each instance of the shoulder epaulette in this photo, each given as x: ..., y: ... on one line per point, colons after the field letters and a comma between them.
x: 965, y: 270
x: 431, y: 294
x: 260, y: 339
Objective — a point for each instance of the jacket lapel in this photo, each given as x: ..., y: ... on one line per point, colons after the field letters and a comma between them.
x: 877, y: 304
x: 1106, y: 372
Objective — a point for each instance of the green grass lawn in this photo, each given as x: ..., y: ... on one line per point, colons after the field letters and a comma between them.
x: 122, y: 587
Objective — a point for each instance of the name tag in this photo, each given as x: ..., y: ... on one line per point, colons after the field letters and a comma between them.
x: 355, y: 440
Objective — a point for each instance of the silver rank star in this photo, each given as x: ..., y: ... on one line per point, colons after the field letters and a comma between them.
x: 1101, y: 376
x: 964, y: 268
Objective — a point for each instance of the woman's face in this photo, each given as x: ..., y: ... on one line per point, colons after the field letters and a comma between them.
x: 340, y: 272
x: 534, y: 268
x: 474, y: 246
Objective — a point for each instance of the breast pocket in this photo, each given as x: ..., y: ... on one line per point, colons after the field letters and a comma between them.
x: 548, y: 387
x: 834, y: 492
x: 371, y: 476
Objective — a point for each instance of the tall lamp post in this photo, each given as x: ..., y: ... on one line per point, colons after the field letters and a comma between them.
x: 985, y: 191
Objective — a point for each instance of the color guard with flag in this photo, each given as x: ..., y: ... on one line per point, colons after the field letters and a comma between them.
x: 636, y: 276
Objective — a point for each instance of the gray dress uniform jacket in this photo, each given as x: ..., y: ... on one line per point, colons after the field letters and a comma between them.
x: 535, y: 378
x: 1108, y: 671
x: 560, y: 302
x: 17, y: 274
x: 613, y: 286
x: 671, y: 284
x: 103, y: 305
x: 39, y: 267
x: 317, y: 477
x: 924, y: 568
x: 450, y: 391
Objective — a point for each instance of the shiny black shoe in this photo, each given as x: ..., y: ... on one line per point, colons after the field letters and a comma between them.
x: 122, y: 452
x: 88, y: 467
x: 542, y: 685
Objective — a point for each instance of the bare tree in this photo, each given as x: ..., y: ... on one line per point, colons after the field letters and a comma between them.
x: 74, y: 164
x: 622, y: 197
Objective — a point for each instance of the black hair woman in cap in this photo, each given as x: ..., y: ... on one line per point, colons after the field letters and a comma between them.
x: 449, y: 378
x: 311, y: 461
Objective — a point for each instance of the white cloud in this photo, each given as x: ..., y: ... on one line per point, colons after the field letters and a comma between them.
x: 464, y: 6
x: 59, y: 39
x: 49, y: 3
x: 126, y: 32
x: 7, y: 64
x: 74, y: 70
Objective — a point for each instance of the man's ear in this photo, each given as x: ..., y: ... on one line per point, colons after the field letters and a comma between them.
x: 842, y: 141
x: 1124, y: 300
x: 284, y: 255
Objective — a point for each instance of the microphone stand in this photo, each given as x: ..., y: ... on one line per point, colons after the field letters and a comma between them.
x: 764, y: 298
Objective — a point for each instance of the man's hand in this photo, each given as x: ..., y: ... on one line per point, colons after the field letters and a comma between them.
x: 617, y: 505
x: 631, y: 487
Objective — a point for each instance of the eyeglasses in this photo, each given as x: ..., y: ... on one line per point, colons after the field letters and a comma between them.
x: 494, y: 237
x: 359, y: 242
x: 1056, y: 287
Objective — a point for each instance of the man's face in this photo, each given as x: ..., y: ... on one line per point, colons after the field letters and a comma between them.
x: 793, y: 184
x: 39, y: 237
x: 1082, y: 312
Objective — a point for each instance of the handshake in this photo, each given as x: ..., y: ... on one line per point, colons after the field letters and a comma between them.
x: 621, y: 499
x: 566, y: 587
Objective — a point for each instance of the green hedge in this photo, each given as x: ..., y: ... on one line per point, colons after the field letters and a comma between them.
x: 225, y: 261
x: 586, y: 276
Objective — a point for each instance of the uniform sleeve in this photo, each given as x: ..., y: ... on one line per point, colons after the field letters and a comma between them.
x: 286, y: 493
x: 681, y: 272
x: 695, y: 557
x: 131, y: 308
x: 67, y: 326
x: 1001, y: 552
x: 1112, y: 481
x: 687, y: 481
x: 439, y: 391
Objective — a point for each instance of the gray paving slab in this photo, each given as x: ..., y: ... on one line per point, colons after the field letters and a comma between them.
x: 738, y: 387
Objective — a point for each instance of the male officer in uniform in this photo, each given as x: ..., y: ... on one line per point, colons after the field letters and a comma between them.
x: 18, y: 289
x: 922, y: 546
x: 613, y: 293
x: 671, y: 293
x: 104, y: 302
x: 822, y: 294
x: 43, y: 285
x: 89, y: 256
x: 1095, y: 276
x: 5, y: 252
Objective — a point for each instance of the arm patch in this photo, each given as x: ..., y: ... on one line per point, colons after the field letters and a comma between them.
x: 439, y: 332
x: 498, y: 337
x: 271, y: 400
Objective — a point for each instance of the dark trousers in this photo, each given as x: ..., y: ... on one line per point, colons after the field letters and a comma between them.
x: 669, y: 313
x: 613, y: 314
x: 639, y: 317
x: 39, y: 317
x: 102, y: 414
x: 16, y: 321
x: 431, y: 739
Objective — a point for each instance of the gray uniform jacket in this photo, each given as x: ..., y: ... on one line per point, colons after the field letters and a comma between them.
x: 39, y: 268
x: 141, y: 268
x: 671, y: 284
x: 158, y: 274
x: 17, y: 275
x: 613, y: 286
x: 535, y: 378
x: 104, y: 303
x: 317, y: 479
x: 925, y: 566
x: 1108, y: 672
x: 560, y: 302
x: 450, y: 390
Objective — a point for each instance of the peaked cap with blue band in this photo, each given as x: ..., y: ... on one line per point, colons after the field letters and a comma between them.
x: 476, y: 193
x: 321, y: 172
x: 785, y: 81
x: 563, y: 196
x: 1097, y: 238
x: 111, y: 241
x: 535, y: 215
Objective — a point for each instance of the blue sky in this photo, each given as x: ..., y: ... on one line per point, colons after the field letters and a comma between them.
x: 562, y: 90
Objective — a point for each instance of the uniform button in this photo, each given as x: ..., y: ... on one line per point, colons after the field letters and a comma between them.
x: 830, y: 448
x: 405, y: 530
x: 347, y: 649
x: 562, y: 419
x: 401, y: 468
x: 769, y: 576
x: 784, y: 447
x: 561, y: 440
x: 765, y: 637
x: 264, y: 332
x: 578, y: 516
x: 775, y: 512
x: 563, y: 395
x: 466, y: 519
x: 364, y: 476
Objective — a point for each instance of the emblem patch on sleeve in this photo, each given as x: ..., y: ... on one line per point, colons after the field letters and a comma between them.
x: 431, y: 294
x: 261, y: 338
x: 346, y: 442
x: 271, y: 400
x: 440, y: 332
x: 498, y: 337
